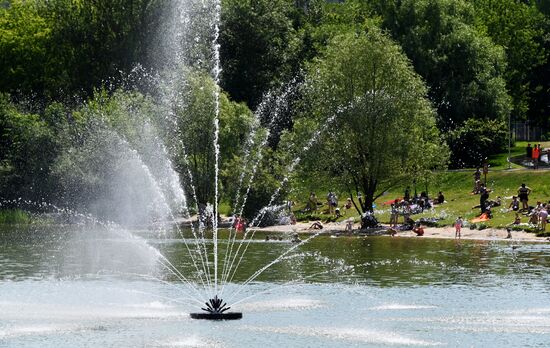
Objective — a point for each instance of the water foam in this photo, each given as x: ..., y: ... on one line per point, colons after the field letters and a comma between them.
x: 347, y: 334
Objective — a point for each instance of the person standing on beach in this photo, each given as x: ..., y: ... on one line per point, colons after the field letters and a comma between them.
x: 394, y: 215
x: 523, y: 195
x: 332, y: 202
x: 543, y: 217
x: 458, y: 226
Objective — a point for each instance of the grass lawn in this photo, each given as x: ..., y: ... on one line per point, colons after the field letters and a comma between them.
x: 457, y: 187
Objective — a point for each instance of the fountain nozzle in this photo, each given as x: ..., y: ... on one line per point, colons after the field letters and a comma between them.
x: 215, y: 305
x: 216, y: 310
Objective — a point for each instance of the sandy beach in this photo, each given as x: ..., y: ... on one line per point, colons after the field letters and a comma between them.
x: 429, y: 232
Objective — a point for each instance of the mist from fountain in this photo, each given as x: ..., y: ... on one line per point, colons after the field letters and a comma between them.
x: 143, y: 192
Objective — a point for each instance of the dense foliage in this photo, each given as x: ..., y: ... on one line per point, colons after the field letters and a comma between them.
x: 81, y: 76
x: 382, y: 126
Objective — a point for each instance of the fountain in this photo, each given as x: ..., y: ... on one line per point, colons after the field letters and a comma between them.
x: 140, y: 279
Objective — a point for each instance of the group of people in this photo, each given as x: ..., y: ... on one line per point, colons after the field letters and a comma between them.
x: 409, y: 206
x: 533, y: 154
x: 332, y: 204
x: 537, y: 215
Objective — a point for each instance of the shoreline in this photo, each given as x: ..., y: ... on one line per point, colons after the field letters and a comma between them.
x: 338, y: 228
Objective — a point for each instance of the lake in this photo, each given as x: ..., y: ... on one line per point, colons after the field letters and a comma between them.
x: 77, y: 286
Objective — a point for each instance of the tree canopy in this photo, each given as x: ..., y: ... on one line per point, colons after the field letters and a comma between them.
x: 382, y: 82
x: 380, y: 127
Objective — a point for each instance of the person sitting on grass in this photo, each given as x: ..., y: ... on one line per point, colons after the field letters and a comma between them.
x: 419, y: 230
x: 514, y: 205
x: 440, y: 198
x: 477, y: 187
x: 495, y: 203
x: 534, y: 217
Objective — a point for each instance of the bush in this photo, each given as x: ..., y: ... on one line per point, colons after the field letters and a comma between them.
x: 476, y: 140
x: 16, y: 216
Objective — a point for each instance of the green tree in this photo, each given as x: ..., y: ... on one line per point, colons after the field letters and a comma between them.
x: 61, y: 48
x: 259, y: 47
x: 194, y: 109
x: 378, y: 125
x: 24, y: 40
x: 519, y: 27
x: 463, y: 68
x: 476, y: 140
x: 27, y: 150
x: 92, y: 42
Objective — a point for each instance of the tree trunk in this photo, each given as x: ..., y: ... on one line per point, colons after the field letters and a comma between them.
x: 368, y: 220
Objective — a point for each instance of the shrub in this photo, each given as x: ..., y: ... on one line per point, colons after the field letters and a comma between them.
x: 16, y: 216
x: 476, y: 140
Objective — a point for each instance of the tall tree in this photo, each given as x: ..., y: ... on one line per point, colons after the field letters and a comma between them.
x: 259, y: 47
x: 519, y: 27
x: 194, y: 137
x: 24, y: 41
x: 377, y: 123
x: 463, y: 68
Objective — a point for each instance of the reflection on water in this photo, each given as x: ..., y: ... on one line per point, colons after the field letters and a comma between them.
x: 72, y: 286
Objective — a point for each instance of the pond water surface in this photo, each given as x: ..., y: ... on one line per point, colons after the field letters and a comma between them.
x: 69, y: 286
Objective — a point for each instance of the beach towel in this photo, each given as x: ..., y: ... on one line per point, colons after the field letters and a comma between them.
x: 481, y: 218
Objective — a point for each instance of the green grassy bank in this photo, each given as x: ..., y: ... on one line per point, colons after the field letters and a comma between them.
x: 457, y: 187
